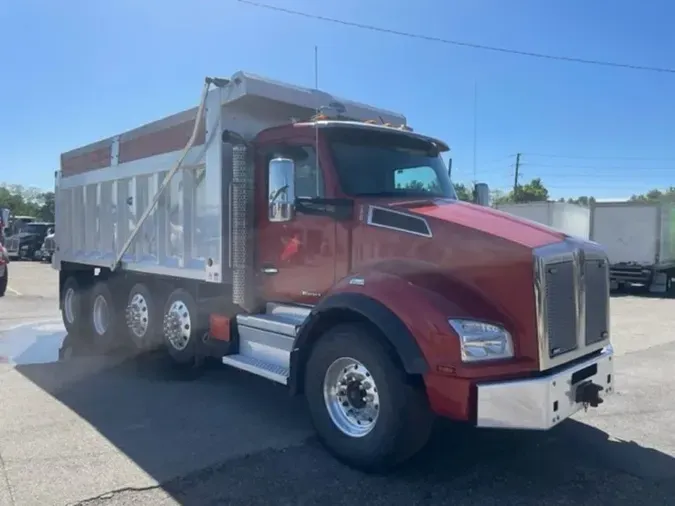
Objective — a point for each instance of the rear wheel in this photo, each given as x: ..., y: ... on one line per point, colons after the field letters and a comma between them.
x: 104, y: 320
x: 182, y: 327
x: 144, y: 320
x: 72, y: 306
x: 363, y: 406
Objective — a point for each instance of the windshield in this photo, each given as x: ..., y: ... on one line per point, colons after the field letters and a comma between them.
x: 384, y: 164
x: 35, y: 228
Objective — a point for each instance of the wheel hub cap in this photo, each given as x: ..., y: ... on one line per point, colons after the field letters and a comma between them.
x: 137, y: 315
x: 178, y: 326
x: 351, y: 397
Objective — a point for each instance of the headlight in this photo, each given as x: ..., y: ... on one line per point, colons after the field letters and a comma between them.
x: 481, y: 341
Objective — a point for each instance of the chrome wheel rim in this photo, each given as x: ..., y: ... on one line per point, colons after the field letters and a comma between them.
x: 178, y: 325
x: 351, y: 397
x: 101, y: 315
x: 138, y: 315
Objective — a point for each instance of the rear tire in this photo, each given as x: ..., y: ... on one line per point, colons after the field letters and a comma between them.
x: 72, y: 306
x: 143, y: 318
x: 182, y: 328
x: 103, y: 319
x: 390, y: 423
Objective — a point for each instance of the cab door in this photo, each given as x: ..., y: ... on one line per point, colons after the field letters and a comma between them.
x: 295, y: 258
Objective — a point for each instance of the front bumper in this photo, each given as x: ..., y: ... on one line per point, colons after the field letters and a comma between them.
x: 542, y: 403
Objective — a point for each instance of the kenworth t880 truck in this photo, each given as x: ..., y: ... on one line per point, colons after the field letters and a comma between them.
x: 319, y: 243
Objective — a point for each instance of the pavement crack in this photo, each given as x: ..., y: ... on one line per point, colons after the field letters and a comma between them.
x: 3, y: 468
x: 112, y: 493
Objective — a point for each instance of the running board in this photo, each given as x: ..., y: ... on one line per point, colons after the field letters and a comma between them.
x: 266, y: 341
x: 272, y: 372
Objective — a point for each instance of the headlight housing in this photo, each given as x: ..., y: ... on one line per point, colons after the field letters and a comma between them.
x: 480, y: 341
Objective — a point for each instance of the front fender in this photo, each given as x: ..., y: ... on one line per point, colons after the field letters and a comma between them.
x: 411, y: 318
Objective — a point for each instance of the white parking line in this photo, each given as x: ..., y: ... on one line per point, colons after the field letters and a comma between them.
x: 15, y: 292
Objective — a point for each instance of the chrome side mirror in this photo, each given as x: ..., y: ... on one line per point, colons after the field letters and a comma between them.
x: 481, y: 194
x: 281, y: 188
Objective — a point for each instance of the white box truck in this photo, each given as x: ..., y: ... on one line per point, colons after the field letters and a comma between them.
x: 639, y: 238
x: 572, y: 219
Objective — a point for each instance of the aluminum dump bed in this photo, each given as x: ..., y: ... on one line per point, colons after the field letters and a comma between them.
x: 103, y: 188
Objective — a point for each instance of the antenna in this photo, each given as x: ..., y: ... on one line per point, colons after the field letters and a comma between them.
x: 318, y: 109
x: 475, y: 126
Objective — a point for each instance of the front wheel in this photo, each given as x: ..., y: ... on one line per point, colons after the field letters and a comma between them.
x: 363, y: 406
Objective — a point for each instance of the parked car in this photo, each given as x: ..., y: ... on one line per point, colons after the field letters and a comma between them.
x: 4, y: 270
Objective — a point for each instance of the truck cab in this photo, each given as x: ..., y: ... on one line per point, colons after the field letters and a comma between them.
x: 27, y: 238
x: 327, y: 252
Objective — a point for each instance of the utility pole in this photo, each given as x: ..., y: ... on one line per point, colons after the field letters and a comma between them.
x: 515, y: 178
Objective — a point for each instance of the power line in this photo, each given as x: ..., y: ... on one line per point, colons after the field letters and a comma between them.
x: 596, y: 168
x: 471, y: 45
x: 626, y: 158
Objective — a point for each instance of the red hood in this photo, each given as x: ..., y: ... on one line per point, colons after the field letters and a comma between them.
x: 488, y: 220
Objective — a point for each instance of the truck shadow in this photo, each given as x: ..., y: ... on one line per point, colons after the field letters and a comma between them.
x: 182, y: 430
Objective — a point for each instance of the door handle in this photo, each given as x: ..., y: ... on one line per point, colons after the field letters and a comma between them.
x: 269, y: 269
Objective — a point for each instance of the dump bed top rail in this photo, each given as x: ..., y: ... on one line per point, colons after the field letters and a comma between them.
x: 173, y: 132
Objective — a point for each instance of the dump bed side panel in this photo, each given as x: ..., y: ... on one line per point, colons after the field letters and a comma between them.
x: 104, y: 188
x: 163, y: 136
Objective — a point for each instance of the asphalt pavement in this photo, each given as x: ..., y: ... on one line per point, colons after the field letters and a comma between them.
x: 80, y: 429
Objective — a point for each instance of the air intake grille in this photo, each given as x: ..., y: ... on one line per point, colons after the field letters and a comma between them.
x: 396, y: 220
x: 597, y: 291
x: 561, y: 308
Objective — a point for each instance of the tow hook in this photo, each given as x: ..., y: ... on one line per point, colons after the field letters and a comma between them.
x: 589, y: 394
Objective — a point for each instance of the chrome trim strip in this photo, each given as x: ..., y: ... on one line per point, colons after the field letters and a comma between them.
x: 369, y: 221
x: 577, y: 251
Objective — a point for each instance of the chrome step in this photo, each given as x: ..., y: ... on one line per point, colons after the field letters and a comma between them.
x: 258, y: 367
x: 292, y: 311
x: 266, y: 341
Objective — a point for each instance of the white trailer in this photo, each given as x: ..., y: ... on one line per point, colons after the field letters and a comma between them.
x: 639, y: 238
x: 572, y: 219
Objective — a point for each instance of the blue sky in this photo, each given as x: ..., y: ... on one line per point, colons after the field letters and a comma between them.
x: 75, y: 71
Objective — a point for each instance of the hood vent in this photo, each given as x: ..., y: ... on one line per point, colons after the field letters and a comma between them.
x: 396, y: 220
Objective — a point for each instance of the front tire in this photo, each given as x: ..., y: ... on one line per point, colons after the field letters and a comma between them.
x: 363, y: 406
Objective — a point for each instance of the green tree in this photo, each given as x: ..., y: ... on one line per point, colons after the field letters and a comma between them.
x: 534, y: 191
x: 464, y: 192
x: 655, y: 195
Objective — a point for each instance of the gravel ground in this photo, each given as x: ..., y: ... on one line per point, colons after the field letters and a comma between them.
x: 93, y: 430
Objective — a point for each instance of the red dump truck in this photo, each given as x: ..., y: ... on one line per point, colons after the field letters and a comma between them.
x: 318, y: 242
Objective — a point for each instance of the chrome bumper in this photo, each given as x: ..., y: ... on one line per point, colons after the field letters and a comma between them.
x: 542, y: 403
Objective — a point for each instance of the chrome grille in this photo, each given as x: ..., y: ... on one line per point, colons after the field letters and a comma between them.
x: 49, y: 244
x: 561, y: 306
x: 572, y: 297
x: 597, y: 293
x: 13, y: 245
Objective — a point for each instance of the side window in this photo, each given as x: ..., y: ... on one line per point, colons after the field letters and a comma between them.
x: 308, y: 176
x: 417, y: 178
